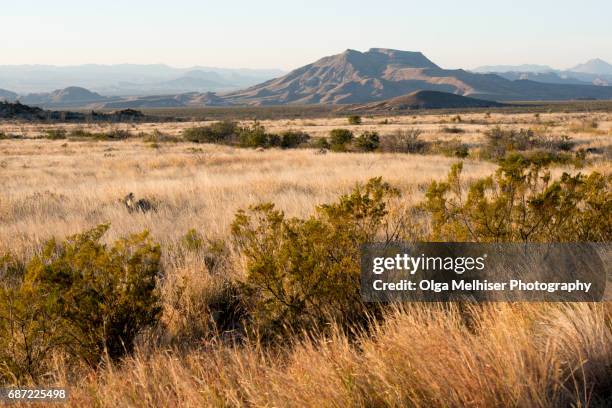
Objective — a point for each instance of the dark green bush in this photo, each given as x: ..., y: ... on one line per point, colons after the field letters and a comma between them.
x: 306, y: 271
x: 81, y: 298
x: 339, y: 138
x: 367, y: 141
x: 321, y: 143
x: 354, y: 120
x: 291, y: 139
x: 218, y: 132
x: 453, y: 129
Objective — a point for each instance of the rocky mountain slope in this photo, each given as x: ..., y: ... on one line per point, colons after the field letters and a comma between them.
x: 378, y: 74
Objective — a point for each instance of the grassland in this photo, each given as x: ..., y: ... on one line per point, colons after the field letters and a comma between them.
x: 520, y: 355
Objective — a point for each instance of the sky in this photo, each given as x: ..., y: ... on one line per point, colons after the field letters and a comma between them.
x: 291, y: 33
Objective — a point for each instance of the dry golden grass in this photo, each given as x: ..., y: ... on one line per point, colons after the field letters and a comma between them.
x: 421, y: 356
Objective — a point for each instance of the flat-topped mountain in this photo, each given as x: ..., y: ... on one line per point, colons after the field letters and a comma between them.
x: 378, y: 74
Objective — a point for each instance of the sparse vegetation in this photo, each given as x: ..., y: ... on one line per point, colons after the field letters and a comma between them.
x: 354, y: 120
x: 261, y: 307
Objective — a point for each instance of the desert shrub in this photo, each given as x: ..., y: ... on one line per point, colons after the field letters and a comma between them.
x: 55, y: 134
x: 367, y: 141
x: 404, y: 141
x: 117, y: 134
x: 218, y: 132
x: 450, y: 148
x: 563, y: 143
x: 113, y: 134
x: 81, y: 298
x: 500, y: 142
x: 256, y: 136
x: 339, y: 138
x: 452, y: 129
x: 321, y: 143
x: 192, y: 240
x: 456, y: 119
x: 291, y: 139
x: 521, y: 203
x: 158, y: 137
x: 3, y: 136
x: 306, y: 271
x: 354, y: 120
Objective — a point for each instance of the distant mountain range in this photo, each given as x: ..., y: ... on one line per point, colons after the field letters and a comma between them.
x: 129, y: 79
x: 351, y: 77
x: 593, y: 72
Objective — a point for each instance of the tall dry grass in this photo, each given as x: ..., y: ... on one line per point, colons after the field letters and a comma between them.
x: 423, y: 355
x: 496, y: 355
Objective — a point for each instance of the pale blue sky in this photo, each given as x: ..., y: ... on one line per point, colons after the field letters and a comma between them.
x: 288, y: 34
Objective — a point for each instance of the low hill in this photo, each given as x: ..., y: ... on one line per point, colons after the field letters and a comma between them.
x: 427, y: 100
x: 67, y: 97
x: 20, y: 112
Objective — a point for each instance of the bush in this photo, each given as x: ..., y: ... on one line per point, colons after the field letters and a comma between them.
x: 292, y: 139
x: 218, y: 132
x: 500, y: 142
x: 339, y: 139
x: 404, y: 141
x: 256, y: 136
x: 368, y: 141
x: 354, y: 120
x: 55, y: 134
x: 450, y: 148
x: 303, y: 272
x: 521, y: 203
x: 321, y: 143
x: 453, y: 130
x: 81, y: 298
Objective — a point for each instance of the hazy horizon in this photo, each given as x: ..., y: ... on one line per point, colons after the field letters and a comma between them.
x: 270, y: 35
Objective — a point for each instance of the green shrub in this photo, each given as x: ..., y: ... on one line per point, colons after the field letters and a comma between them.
x: 79, y: 297
x: 256, y: 136
x: 306, y: 271
x: 291, y: 139
x: 321, y: 143
x: 521, y: 203
x: 339, y: 138
x: 218, y: 132
x: 354, y: 120
x: 368, y: 141
x: 192, y: 240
